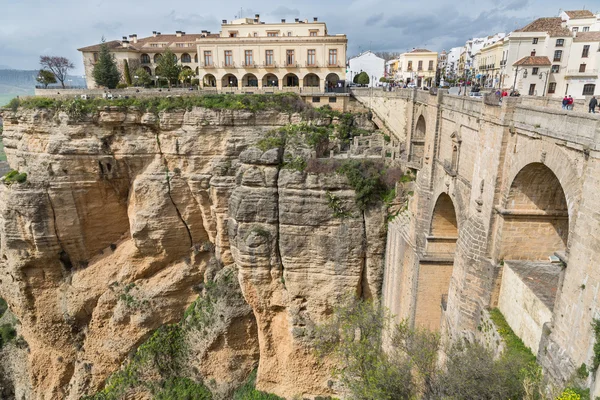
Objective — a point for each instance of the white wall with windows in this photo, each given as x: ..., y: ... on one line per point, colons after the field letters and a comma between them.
x: 368, y: 62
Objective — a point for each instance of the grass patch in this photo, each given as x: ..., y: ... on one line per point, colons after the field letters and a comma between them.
x: 14, y: 176
x: 513, y: 343
x: 366, y: 178
x: 248, y: 391
x: 3, y: 306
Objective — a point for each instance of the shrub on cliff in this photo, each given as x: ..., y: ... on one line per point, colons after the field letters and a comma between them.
x: 14, y: 177
x: 3, y: 306
x: 366, y: 178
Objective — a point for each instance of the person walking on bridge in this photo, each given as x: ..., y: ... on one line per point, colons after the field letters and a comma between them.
x: 593, y: 105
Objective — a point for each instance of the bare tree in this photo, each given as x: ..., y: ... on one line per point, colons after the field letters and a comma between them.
x: 388, y: 55
x: 59, y: 66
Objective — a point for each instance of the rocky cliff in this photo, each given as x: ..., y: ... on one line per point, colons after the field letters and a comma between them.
x: 126, y: 216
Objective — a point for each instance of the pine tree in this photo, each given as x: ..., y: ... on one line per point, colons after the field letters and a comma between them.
x: 105, y: 71
x: 167, y: 65
x: 126, y: 72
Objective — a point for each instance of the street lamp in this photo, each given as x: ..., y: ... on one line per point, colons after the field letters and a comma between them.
x: 547, y: 73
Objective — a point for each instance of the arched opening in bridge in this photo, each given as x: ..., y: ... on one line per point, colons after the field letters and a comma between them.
x: 249, y: 80
x: 270, y: 80
x: 436, y: 266
x: 417, y: 142
x: 535, y: 216
x: 229, y: 81
x: 534, y: 226
x: 290, y: 80
x: 311, y: 80
x: 209, y: 80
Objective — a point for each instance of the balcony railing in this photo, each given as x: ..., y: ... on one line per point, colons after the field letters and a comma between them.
x: 208, y: 65
x: 312, y: 65
x: 270, y: 65
x: 249, y: 65
x: 333, y: 65
x: 228, y: 65
x: 291, y: 65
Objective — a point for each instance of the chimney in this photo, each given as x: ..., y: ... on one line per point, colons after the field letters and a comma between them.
x: 297, y: 19
x: 157, y: 33
x: 125, y: 42
x: 257, y: 16
x: 178, y: 33
x: 315, y: 19
x: 133, y: 37
x: 224, y: 21
x: 283, y: 20
x: 154, y: 33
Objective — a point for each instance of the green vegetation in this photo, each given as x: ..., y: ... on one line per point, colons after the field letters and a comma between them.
x: 248, y: 391
x: 596, y: 328
x: 366, y: 178
x: 14, y: 177
x: 513, y: 343
x: 284, y: 102
x: 45, y: 77
x: 3, y: 306
x: 297, y: 163
x: 105, y: 72
x: 142, y: 77
x: 336, y: 204
x: 183, y: 389
x: 186, y: 75
x: 7, y: 334
x: 167, y: 67
x: 126, y: 72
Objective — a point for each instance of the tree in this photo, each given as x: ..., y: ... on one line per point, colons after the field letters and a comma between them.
x: 105, y: 71
x: 387, y: 55
x: 186, y: 75
x: 167, y: 65
x: 59, y: 66
x: 142, y: 77
x: 363, y: 78
x: 45, y: 77
x: 126, y: 72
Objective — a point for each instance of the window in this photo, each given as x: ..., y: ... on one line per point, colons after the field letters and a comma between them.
x: 186, y: 58
x: 333, y: 57
x: 588, y: 90
x: 248, y: 57
x: 409, y: 68
x: 535, y: 40
x: 552, y: 87
x: 208, y: 61
x: 271, y: 34
x: 560, y: 42
x: 557, y: 55
x: 555, y: 69
x: 316, y: 99
x: 154, y: 45
x: 233, y: 34
x: 581, y: 67
x: 586, y: 29
x: 145, y: 59
x: 575, y: 29
x: 586, y: 51
x: 525, y: 73
x: 420, y: 66
x: 310, y: 60
x: 314, y: 33
x: 228, y: 58
x: 96, y: 57
x: 533, y: 53
x: 289, y: 57
x: 255, y: 34
x: 268, y: 57
x: 430, y: 65
x: 532, y: 89
x: 289, y: 33
x: 333, y: 99
x: 535, y: 71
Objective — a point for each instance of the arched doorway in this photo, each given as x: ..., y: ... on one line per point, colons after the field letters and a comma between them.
x: 311, y: 80
x: 290, y: 80
x: 209, y: 80
x: 436, y: 266
x: 417, y: 142
x: 331, y: 82
x: 250, y: 80
x: 535, y: 216
x: 229, y: 81
x: 270, y: 80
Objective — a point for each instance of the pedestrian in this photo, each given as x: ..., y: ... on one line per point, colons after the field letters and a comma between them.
x: 593, y: 105
x: 504, y: 93
x: 565, y: 102
x: 570, y: 104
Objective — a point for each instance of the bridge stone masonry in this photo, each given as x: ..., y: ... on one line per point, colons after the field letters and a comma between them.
x: 505, y: 213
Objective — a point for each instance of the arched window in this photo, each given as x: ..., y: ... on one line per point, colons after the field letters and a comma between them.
x: 186, y: 58
x: 157, y: 58
x: 145, y: 59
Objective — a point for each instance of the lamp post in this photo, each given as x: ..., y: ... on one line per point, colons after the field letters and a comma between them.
x: 547, y: 73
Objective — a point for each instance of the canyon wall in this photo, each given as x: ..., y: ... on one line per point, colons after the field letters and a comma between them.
x: 125, y: 216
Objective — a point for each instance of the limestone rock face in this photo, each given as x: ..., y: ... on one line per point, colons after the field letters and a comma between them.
x: 125, y: 213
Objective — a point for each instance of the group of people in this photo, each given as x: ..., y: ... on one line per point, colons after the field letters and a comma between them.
x: 567, y: 103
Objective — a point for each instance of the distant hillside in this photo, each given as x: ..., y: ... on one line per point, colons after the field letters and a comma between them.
x: 22, y: 82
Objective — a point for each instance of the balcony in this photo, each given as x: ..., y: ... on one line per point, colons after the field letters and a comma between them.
x: 207, y: 65
x: 333, y: 65
x: 249, y: 65
x: 312, y: 65
x: 577, y: 72
x: 228, y: 65
x: 270, y: 65
x: 291, y: 65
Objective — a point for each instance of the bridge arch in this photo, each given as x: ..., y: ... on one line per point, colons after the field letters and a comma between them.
x: 437, y: 264
x: 417, y: 142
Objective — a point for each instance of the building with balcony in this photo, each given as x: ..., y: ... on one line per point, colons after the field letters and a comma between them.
x: 489, y: 64
x: 418, y: 66
x: 246, y: 54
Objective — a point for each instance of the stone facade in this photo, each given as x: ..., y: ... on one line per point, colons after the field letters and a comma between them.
x: 523, y: 181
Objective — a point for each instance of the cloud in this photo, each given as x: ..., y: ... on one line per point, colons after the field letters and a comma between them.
x: 373, y: 19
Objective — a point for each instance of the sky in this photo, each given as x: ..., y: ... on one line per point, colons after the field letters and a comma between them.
x: 30, y: 28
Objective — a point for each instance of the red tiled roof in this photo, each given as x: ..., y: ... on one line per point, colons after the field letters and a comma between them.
x: 143, y: 44
x: 579, y: 14
x: 421, y: 51
x: 533, y: 61
x: 587, y: 37
x: 553, y: 26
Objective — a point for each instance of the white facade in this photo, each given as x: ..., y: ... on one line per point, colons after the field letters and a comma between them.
x: 452, y: 60
x: 367, y: 62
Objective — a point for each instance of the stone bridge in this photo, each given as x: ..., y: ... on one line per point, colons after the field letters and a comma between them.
x: 505, y: 213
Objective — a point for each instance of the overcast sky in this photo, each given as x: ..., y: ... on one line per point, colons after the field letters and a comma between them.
x: 29, y: 28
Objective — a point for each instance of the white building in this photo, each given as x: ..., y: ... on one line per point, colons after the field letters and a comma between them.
x: 367, y: 62
x: 452, y: 59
